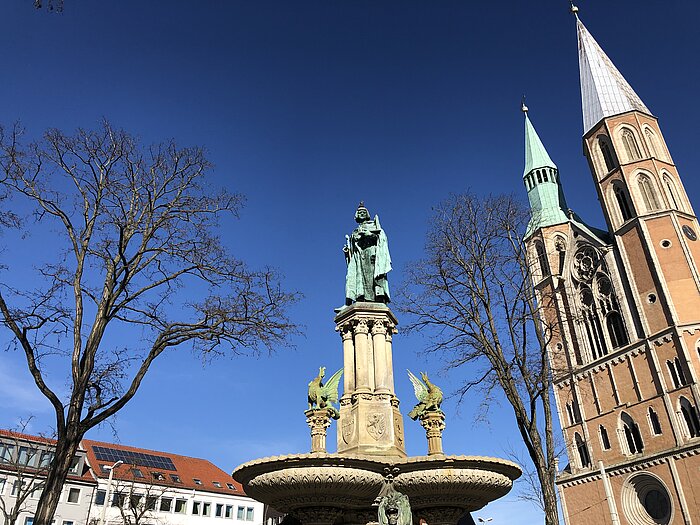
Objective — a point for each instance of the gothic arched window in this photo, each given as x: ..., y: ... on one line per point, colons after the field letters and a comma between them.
x: 690, y: 416
x: 542, y: 259
x: 651, y: 142
x: 630, y: 144
x: 654, y: 422
x: 604, y: 439
x: 646, y: 188
x: 631, y: 434
x: 606, y: 152
x: 623, y: 201
x: 583, y: 456
x: 672, y: 192
x: 616, y: 330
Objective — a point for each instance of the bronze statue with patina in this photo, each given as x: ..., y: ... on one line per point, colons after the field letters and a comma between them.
x: 321, y: 396
x: 428, y: 394
x: 367, y: 256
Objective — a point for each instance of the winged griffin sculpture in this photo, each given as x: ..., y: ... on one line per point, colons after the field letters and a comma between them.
x: 428, y: 394
x: 320, y: 395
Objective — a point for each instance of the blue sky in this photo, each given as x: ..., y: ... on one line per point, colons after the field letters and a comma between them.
x: 308, y: 107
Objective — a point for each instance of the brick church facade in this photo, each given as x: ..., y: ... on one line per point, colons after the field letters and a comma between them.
x: 625, y: 301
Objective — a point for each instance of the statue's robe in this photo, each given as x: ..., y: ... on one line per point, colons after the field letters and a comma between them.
x: 368, y: 265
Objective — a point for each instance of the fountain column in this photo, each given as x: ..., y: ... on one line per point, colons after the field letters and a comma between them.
x: 370, y: 422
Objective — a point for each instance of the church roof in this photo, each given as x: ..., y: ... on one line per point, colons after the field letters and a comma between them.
x: 536, y: 155
x: 604, y: 91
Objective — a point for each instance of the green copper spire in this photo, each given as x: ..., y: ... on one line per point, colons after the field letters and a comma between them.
x: 541, y: 178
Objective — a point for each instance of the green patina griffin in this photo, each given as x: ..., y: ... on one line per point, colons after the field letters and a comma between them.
x: 367, y: 255
x: 541, y: 177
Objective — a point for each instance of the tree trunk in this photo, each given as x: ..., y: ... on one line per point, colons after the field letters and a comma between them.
x: 549, y: 499
x: 66, y: 448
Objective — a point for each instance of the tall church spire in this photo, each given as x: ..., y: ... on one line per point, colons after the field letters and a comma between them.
x: 541, y: 178
x: 604, y: 91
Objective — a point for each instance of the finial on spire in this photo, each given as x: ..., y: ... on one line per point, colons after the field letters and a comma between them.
x: 523, y: 107
x: 574, y: 10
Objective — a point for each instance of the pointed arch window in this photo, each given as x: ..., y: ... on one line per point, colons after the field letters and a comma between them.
x: 676, y: 372
x: 672, y: 192
x: 583, y: 455
x: 630, y: 433
x: 560, y: 246
x: 646, y: 188
x: 630, y: 144
x: 542, y: 259
x: 623, y: 201
x: 606, y: 152
x: 654, y: 422
x: 690, y: 417
x: 616, y: 330
x: 651, y: 142
x: 604, y: 439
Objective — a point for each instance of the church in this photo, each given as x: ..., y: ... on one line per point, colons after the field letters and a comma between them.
x: 625, y: 301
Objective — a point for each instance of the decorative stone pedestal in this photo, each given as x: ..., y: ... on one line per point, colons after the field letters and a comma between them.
x: 434, y: 423
x: 319, y: 419
x: 370, y: 421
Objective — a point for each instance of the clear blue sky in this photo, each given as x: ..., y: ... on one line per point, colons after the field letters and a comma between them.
x: 307, y: 107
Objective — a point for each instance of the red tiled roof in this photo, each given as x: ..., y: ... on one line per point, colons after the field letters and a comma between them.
x: 28, y: 437
x: 187, y: 468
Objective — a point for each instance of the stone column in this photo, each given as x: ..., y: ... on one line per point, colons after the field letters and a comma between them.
x: 434, y: 423
x: 361, y: 361
x: 319, y: 419
x: 381, y: 370
x: 389, y: 357
x: 348, y: 360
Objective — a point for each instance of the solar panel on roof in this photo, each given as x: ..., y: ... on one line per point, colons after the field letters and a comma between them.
x: 133, y: 458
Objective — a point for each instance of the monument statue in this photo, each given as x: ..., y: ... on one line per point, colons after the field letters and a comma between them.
x: 428, y: 394
x: 367, y: 255
x: 394, y: 508
x: 321, y: 396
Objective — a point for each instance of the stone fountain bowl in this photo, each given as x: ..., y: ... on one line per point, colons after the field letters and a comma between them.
x: 437, y: 486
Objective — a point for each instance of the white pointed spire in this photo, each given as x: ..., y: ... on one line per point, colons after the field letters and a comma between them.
x: 604, y: 91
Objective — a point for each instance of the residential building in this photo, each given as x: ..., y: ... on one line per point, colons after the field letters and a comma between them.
x: 625, y: 306
x: 150, y: 487
x: 23, y: 463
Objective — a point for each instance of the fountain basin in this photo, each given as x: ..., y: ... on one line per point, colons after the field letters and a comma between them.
x: 330, y: 488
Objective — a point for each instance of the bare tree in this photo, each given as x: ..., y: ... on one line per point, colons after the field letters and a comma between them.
x: 51, y: 5
x: 137, y: 501
x: 141, y: 259
x: 23, y: 465
x: 473, y: 295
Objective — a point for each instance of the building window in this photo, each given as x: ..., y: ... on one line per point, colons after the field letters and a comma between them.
x: 17, y: 486
x: 175, y: 478
x: 100, y: 496
x: 604, y: 439
x: 560, y: 247
x: 3, y: 482
x: 158, y: 476
x: 690, y: 416
x: 219, y: 510
x: 206, y: 509
x: 676, y: 371
x: 646, y: 188
x: 630, y: 431
x: 6, y: 452
x: 73, y: 495
x: 542, y: 259
x: 630, y: 144
x: 196, y: 507
x: 26, y: 456
x: 197, y: 481
x: 616, y: 330
x: 230, y: 485
x: 66, y: 522
x: 135, y: 501
x: 241, y: 513
x: 118, y: 499
x: 74, y: 464
x: 606, y: 152
x: 216, y: 484
x: 180, y: 506
x: 137, y: 473
x: 672, y: 192
x: 651, y: 142
x: 583, y: 456
x: 654, y: 422
x: 249, y: 514
x: 151, y: 502
x: 37, y: 489
x: 29, y: 520
x: 228, y: 512
x: 46, y: 459
x: 166, y: 504
x: 623, y: 202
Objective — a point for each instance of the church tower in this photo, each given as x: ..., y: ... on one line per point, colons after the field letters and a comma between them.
x: 625, y: 353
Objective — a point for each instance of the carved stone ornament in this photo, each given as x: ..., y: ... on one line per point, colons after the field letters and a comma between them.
x: 376, y: 425
x: 586, y: 262
x: 347, y: 428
